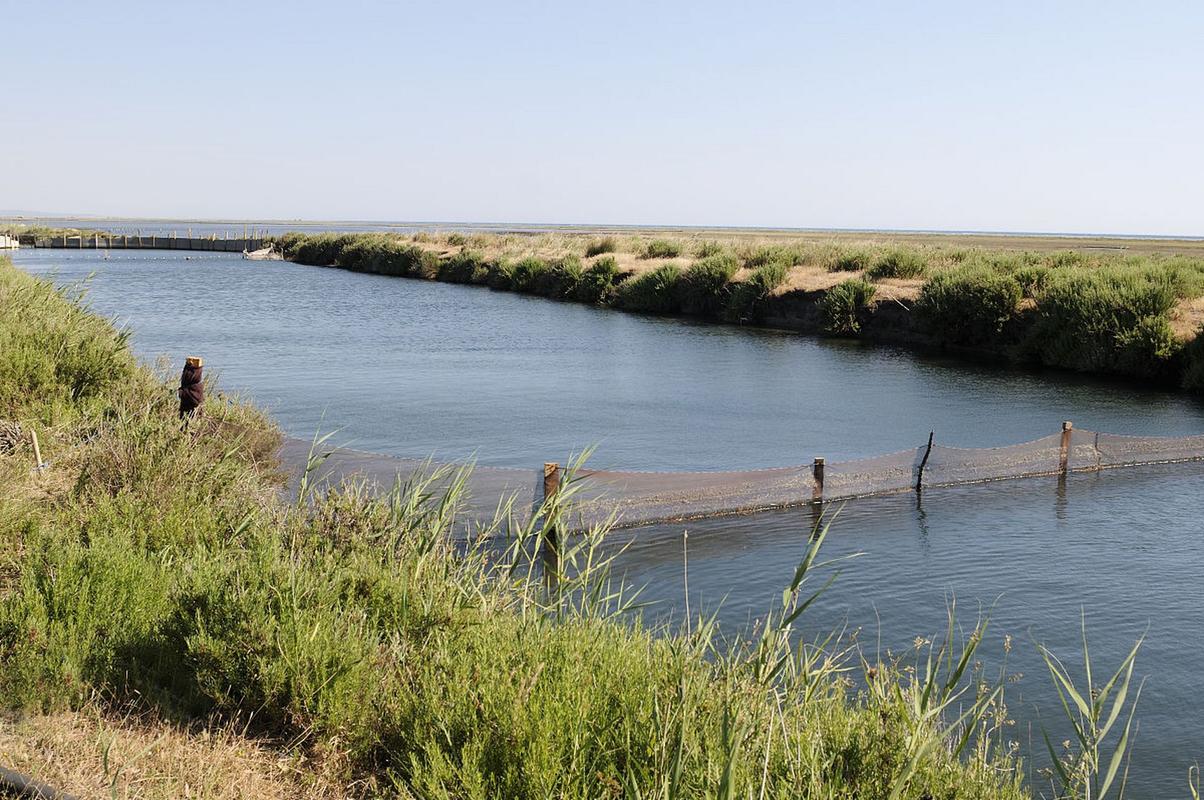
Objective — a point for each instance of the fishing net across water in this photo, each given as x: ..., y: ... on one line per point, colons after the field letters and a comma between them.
x: 632, y: 498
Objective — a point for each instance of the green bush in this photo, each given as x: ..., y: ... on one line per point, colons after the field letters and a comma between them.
x: 467, y: 266
x: 597, y: 247
x: 90, y: 357
x: 707, y: 248
x: 851, y: 261
x: 843, y: 307
x: 661, y: 248
x: 528, y: 274
x: 321, y: 250
x: 501, y: 275
x: 457, y: 239
x: 561, y: 279
x: 968, y: 306
x: 765, y: 256
x: 1107, y: 321
x: 598, y: 283
x: 706, y: 285
x: 897, y: 264
x: 657, y: 291
x: 1032, y: 280
x: 748, y: 296
x: 1193, y: 358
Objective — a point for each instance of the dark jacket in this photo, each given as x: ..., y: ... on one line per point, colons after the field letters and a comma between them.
x: 192, y: 390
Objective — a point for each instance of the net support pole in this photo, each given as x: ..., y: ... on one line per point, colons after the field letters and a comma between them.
x: 817, y: 472
x: 1064, y: 455
x: 551, y: 544
x: 924, y: 463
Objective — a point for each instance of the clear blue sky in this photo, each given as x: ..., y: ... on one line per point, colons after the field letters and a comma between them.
x: 1078, y: 117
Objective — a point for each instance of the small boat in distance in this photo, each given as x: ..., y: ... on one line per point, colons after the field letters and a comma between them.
x: 269, y: 253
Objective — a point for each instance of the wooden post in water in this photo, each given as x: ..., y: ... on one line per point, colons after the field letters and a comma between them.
x: 817, y: 472
x: 551, y: 538
x: 924, y: 463
x: 1064, y: 457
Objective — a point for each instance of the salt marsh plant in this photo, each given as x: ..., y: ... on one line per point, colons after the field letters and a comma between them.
x: 707, y: 248
x: 467, y: 266
x: 597, y: 247
x: 968, y: 306
x: 657, y: 291
x: 706, y: 285
x: 561, y: 279
x: 748, y: 296
x: 598, y: 282
x: 898, y: 263
x: 527, y: 274
x: 844, y: 307
x: 661, y: 248
x: 1107, y: 321
x: 851, y: 261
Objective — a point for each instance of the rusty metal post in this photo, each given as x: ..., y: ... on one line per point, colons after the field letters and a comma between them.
x: 1064, y: 456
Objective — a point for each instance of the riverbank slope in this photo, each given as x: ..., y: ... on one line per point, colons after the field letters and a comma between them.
x: 1130, y: 308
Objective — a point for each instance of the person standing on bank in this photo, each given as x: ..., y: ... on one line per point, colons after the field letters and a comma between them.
x: 192, y: 389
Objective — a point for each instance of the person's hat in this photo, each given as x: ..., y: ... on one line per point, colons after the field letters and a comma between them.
x: 194, y: 361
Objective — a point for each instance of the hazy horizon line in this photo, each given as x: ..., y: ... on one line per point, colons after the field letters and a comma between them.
x: 26, y: 216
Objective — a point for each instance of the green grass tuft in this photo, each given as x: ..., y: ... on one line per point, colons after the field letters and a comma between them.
x: 844, y: 306
x: 661, y: 248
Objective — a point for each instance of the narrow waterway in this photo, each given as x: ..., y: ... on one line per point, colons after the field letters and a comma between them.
x: 413, y: 368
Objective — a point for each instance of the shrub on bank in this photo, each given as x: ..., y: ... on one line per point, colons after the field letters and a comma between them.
x: 597, y: 247
x: 528, y: 274
x: 851, y: 261
x: 968, y: 306
x: 1033, y: 280
x: 748, y: 296
x: 1107, y: 321
x: 466, y: 266
x: 661, y: 248
x: 898, y: 264
x: 323, y: 249
x: 90, y: 357
x: 706, y: 285
x: 844, y: 307
x: 707, y: 248
x: 561, y: 279
x: 598, y: 282
x: 657, y: 291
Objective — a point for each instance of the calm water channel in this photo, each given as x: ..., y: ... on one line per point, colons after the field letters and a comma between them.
x: 415, y: 368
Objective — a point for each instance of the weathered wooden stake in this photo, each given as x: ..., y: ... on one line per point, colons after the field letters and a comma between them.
x: 924, y: 463
x: 37, y: 450
x: 551, y: 539
x: 1064, y: 458
x: 817, y: 471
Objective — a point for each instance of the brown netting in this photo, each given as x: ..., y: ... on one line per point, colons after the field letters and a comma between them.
x: 637, y: 498
x: 642, y: 498
x: 894, y: 472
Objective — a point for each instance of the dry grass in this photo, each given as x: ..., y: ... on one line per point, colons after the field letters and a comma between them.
x: 92, y: 755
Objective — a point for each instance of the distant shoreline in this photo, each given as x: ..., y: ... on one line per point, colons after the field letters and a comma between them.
x: 1021, y: 239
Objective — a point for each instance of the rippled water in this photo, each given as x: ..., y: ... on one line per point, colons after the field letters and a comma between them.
x: 414, y: 368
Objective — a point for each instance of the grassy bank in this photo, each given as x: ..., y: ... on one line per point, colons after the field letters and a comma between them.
x: 154, y: 568
x: 1111, y: 313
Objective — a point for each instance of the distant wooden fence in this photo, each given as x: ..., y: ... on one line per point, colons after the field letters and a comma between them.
x: 104, y: 241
